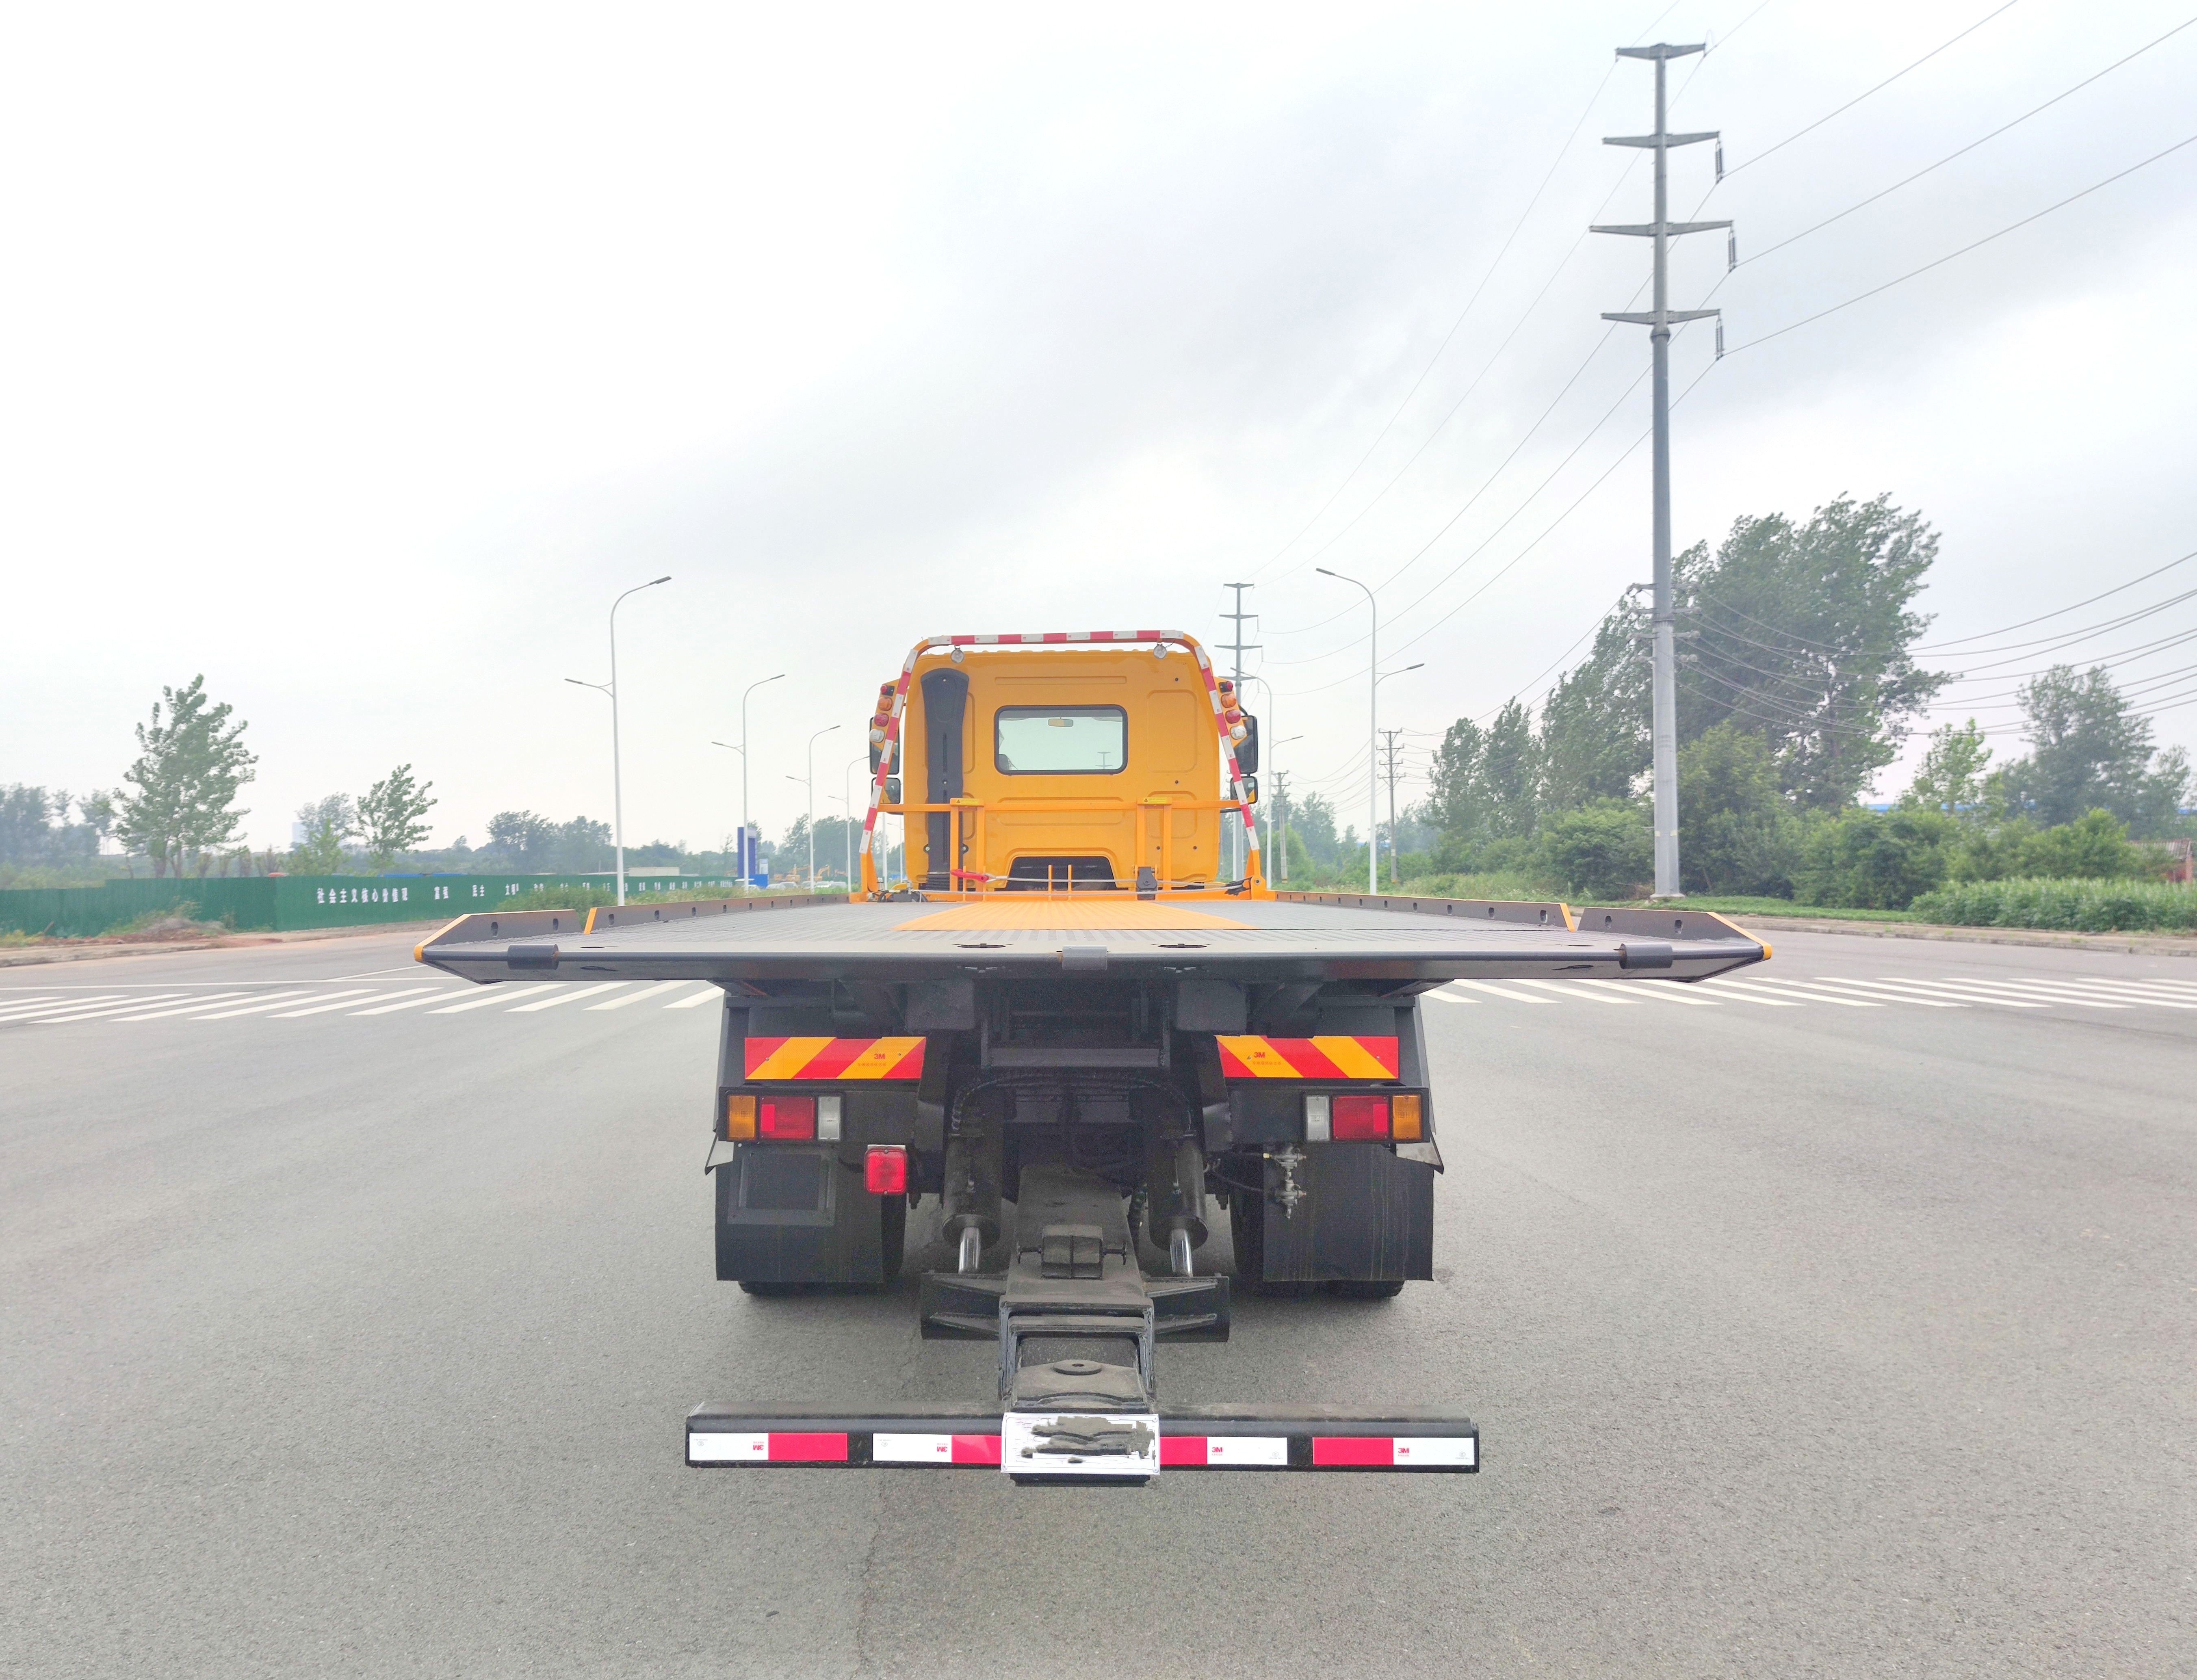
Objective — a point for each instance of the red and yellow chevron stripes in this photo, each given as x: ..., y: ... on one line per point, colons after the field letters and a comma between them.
x: 835, y: 1058
x: 1333, y: 1057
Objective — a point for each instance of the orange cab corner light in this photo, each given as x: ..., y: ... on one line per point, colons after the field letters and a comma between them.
x: 739, y: 1117
x: 1407, y: 1117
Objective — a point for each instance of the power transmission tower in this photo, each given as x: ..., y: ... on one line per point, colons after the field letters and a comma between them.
x: 1239, y: 647
x: 1388, y: 750
x: 1658, y: 321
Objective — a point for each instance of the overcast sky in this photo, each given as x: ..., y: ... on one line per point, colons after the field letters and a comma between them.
x: 359, y: 358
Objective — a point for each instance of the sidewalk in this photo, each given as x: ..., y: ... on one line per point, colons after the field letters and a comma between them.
x: 80, y: 951
x: 2138, y: 944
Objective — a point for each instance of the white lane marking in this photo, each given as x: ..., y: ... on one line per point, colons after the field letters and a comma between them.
x: 497, y: 992
x: 1439, y: 997
x: 1804, y: 992
x: 1996, y: 988
x: 1921, y: 999
x: 1931, y: 988
x: 80, y: 1012
x: 279, y: 1000
x: 2109, y: 988
x: 2165, y: 988
x: 365, y: 995
x: 1726, y: 988
x: 15, y: 1000
x: 426, y: 997
x: 645, y: 992
x: 572, y: 994
x: 1498, y: 992
x: 1563, y: 988
x: 31, y: 1010
x: 1662, y: 991
x: 709, y: 992
x: 190, y: 1008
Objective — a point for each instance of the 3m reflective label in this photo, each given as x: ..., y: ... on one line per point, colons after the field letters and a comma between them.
x: 971, y: 1450
x: 834, y: 1058
x: 727, y: 1449
x: 1428, y: 1452
x: 1224, y: 1452
x: 1331, y: 1057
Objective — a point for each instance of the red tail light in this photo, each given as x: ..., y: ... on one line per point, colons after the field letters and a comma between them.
x: 788, y: 1118
x: 1360, y: 1119
x: 885, y: 1170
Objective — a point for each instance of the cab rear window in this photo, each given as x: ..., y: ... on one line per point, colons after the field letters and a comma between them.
x: 1060, y: 740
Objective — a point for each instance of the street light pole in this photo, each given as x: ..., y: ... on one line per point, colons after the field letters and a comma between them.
x: 617, y: 771
x: 742, y: 748
x: 1372, y: 735
x: 811, y: 784
x: 1395, y: 868
x: 847, y: 800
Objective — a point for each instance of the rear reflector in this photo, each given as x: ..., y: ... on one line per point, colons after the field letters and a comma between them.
x: 1407, y: 1118
x: 885, y: 1170
x: 828, y: 1110
x: 788, y: 1118
x: 1358, y: 1119
x: 739, y: 1117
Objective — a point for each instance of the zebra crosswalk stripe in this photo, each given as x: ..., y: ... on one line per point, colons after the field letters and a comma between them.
x: 1564, y: 988
x: 1498, y: 992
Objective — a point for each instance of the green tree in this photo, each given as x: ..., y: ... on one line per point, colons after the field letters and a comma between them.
x: 1953, y: 774
x: 1804, y: 638
x: 1457, y: 797
x: 1737, y: 827
x: 2094, y: 847
x: 327, y: 824
x: 2088, y: 750
x: 389, y: 817
x: 1594, y: 735
x: 1603, y: 851
x: 191, y: 762
x: 521, y: 838
x: 1486, y: 783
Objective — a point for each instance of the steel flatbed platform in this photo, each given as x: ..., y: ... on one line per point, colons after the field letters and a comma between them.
x: 1411, y: 943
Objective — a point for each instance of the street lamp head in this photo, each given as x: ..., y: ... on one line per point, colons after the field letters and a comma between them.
x: 728, y: 746
x: 653, y: 581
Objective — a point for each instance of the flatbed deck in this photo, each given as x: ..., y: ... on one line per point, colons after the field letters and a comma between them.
x: 1287, y: 937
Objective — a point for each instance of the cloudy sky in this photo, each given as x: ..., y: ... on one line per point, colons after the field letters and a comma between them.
x: 358, y: 359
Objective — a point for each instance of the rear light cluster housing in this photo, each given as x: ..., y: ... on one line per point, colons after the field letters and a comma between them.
x: 1365, y: 1116
x: 773, y: 1117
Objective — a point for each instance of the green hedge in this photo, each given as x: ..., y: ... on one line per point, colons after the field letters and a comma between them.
x: 281, y: 902
x: 2081, y: 907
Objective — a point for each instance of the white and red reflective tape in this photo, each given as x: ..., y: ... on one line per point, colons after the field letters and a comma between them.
x: 981, y: 1451
x: 1054, y: 638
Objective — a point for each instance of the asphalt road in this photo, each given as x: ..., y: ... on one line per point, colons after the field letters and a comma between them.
x: 1826, y: 1331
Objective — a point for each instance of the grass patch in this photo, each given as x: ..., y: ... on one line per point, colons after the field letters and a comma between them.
x: 1500, y: 888
x: 1786, y: 907
x: 2071, y: 906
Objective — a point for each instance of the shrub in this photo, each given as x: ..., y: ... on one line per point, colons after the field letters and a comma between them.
x: 1603, y: 851
x: 1737, y: 834
x: 1871, y: 860
x: 2077, y: 906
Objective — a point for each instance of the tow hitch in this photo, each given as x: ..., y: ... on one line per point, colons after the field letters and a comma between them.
x: 1077, y: 1322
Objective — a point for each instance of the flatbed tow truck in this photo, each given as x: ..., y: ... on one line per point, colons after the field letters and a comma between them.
x: 1066, y: 1008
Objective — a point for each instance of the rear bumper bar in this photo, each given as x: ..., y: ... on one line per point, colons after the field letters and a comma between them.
x: 941, y: 1435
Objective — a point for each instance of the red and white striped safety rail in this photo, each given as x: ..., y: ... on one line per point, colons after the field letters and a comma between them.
x: 889, y: 738
x: 1212, y: 1438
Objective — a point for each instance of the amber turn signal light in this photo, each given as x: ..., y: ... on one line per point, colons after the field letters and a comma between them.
x: 1406, y: 1118
x: 739, y: 1117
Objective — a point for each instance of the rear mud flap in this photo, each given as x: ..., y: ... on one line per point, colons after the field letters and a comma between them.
x: 1345, y: 1213
x: 788, y: 1213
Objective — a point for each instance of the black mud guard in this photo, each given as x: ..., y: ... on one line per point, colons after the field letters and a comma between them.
x: 1362, y: 1214
x: 797, y: 1214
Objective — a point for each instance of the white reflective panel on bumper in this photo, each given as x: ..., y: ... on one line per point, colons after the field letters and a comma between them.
x: 727, y: 1449
x: 1431, y: 1450
x: 912, y: 1449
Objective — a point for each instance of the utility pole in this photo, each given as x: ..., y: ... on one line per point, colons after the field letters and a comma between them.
x: 1658, y: 320
x: 1388, y: 747
x: 1280, y: 842
x: 1239, y: 647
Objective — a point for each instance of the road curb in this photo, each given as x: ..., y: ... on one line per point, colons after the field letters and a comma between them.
x: 32, y: 956
x: 2136, y: 944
